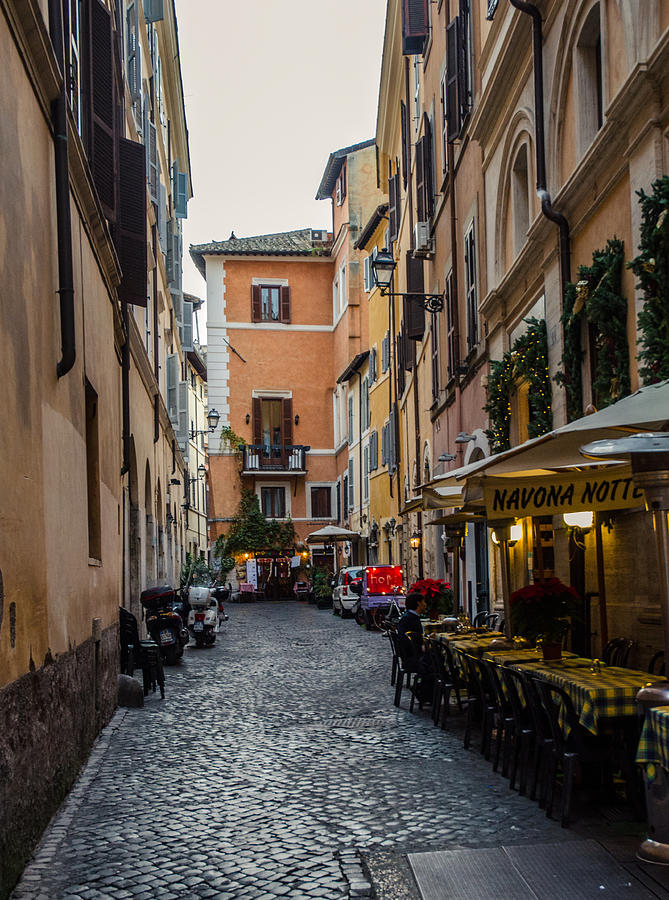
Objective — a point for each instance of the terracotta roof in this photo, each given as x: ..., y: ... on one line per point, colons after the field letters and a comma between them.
x: 333, y: 168
x: 303, y: 242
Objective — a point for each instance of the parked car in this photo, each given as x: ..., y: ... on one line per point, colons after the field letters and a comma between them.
x: 345, y: 599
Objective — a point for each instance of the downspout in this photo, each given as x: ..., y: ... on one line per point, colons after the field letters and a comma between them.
x: 64, y: 224
x: 125, y: 388
x: 359, y: 373
x: 542, y: 193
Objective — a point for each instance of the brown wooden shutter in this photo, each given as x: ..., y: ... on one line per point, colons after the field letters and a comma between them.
x: 405, y: 143
x: 415, y: 26
x: 452, y: 99
x: 102, y: 148
x: 256, y: 409
x: 414, y: 311
x: 284, y: 314
x: 287, y: 433
x: 130, y: 231
x: 444, y: 142
x: 420, y: 187
x: 428, y: 180
x: 256, y: 310
x: 451, y: 317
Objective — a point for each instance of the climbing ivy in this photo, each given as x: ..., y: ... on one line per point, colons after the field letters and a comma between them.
x: 527, y: 360
x: 596, y: 299
x: 651, y: 267
x: 250, y: 531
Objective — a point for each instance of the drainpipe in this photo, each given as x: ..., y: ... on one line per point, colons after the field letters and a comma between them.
x: 359, y: 373
x: 125, y: 388
x: 64, y: 225
x: 542, y: 193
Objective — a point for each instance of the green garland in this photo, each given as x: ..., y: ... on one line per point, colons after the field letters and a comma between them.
x: 651, y: 267
x: 526, y: 360
x: 597, y: 298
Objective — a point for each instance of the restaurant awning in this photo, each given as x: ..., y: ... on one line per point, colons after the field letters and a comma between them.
x: 442, y: 497
x: 331, y: 533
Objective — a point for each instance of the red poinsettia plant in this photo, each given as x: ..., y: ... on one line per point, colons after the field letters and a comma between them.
x: 544, y: 609
x: 437, y: 593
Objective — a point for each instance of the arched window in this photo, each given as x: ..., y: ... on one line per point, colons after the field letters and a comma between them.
x: 589, y: 79
x: 520, y: 198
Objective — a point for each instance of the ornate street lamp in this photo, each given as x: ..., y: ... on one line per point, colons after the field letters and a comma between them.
x: 383, y: 266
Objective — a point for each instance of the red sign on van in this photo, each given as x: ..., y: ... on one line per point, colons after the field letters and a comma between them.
x: 384, y: 579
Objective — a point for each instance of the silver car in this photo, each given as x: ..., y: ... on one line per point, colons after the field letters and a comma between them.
x: 344, y: 598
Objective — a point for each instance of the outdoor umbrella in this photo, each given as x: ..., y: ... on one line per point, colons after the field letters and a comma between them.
x: 329, y: 534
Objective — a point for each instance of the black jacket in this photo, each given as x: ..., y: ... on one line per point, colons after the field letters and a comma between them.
x: 410, y: 633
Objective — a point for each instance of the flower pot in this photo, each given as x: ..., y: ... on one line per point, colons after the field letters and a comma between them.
x: 551, y: 650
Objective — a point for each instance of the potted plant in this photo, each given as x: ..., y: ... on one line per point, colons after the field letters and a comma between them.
x: 437, y: 593
x: 543, y: 611
x: 322, y: 588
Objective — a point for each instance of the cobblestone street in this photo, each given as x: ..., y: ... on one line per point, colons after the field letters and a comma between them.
x: 274, y: 762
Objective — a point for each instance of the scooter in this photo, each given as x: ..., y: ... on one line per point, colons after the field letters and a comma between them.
x: 203, y: 617
x: 221, y: 594
x: 164, y: 624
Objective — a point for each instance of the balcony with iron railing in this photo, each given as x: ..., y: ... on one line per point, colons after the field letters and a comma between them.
x: 273, y: 458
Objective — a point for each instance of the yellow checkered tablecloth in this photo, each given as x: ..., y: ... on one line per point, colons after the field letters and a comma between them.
x: 475, y: 645
x: 654, y: 741
x: 607, y: 694
x: 507, y: 657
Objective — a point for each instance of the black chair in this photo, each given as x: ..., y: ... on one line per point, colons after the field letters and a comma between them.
x: 405, y: 670
x: 480, y: 618
x: 656, y: 666
x: 577, y: 747
x: 480, y: 704
x: 491, y: 621
x: 617, y: 651
x: 543, y: 738
x: 395, y: 664
x: 441, y: 692
x: 523, y: 731
x: 136, y: 653
x: 458, y: 681
x: 503, y: 721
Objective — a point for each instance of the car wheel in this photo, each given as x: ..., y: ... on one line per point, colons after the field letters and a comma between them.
x: 360, y: 617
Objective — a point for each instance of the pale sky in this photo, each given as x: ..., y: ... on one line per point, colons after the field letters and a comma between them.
x: 271, y: 88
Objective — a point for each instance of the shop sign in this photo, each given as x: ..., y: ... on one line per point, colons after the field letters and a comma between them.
x: 545, y: 495
x: 252, y: 573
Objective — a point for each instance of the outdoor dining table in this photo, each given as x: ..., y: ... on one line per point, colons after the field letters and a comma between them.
x: 473, y: 644
x: 653, y: 746
x: 523, y: 655
x: 446, y: 625
x: 597, y: 696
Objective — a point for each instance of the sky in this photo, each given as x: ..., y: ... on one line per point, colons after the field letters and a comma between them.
x: 271, y: 88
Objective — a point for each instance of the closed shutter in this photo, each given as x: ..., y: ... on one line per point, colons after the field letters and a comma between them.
x: 287, y: 432
x: 351, y: 484
x: 284, y: 314
x: 452, y: 99
x: 405, y: 143
x: 400, y: 360
x: 428, y: 167
x: 181, y: 196
x: 169, y: 261
x: 374, y: 451
x: 344, y: 493
x: 367, y: 271
x: 152, y: 163
x: 464, y: 87
x: 130, y: 232
x: 385, y: 353
x: 177, y: 303
x: 372, y: 365
x: 415, y: 26
x: 392, y: 209
x: 153, y: 10
x: 365, y: 473
x: 134, y: 55
x: 393, y: 438
x: 420, y: 187
x: 162, y: 218
x: 414, y: 311
x: 444, y: 141
x: 451, y: 316
x: 257, y: 420
x: 187, y: 327
x: 384, y: 445
x: 102, y: 137
x: 256, y: 309
x: 172, y: 379
x: 182, y: 429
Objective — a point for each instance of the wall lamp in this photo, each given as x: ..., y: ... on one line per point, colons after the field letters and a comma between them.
x: 447, y: 457
x: 383, y: 266
x: 212, y: 421
x: 248, y: 418
x: 464, y: 438
x: 414, y: 540
x: 297, y: 418
x: 515, y: 534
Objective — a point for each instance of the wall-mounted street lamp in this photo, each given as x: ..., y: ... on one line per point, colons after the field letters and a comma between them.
x: 447, y: 457
x: 383, y: 266
x: 464, y: 438
x: 212, y: 421
x: 514, y: 535
x: 581, y: 520
x: 414, y: 540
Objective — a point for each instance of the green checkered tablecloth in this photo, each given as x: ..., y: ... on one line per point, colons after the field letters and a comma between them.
x: 476, y: 645
x: 607, y: 694
x: 654, y: 742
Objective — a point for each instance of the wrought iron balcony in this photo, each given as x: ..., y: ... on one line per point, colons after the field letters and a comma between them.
x: 290, y: 458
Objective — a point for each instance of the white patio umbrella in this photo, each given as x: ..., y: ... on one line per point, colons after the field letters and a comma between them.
x: 329, y: 534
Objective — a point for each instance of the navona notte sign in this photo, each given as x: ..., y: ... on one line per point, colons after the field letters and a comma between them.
x: 545, y: 495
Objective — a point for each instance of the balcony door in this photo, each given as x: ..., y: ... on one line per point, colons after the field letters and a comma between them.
x: 273, y: 425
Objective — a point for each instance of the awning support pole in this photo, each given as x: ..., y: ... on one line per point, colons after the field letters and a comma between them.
x: 601, y: 584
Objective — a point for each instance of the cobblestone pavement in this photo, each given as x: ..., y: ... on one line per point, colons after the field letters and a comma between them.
x: 274, y: 762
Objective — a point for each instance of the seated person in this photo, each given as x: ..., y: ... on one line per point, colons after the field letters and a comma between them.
x: 410, y: 638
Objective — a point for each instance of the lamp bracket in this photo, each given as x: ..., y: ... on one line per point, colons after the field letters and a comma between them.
x: 433, y: 303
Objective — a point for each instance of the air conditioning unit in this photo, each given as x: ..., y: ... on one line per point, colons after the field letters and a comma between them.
x: 421, y: 239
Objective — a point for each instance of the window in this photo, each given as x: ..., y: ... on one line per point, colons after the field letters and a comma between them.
x: 372, y: 365
x: 75, y: 63
x: 373, y: 451
x: 589, y: 79
x: 272, y: 422
x: 350, y: 418
x: 368, y: 273
x: 321, y: 502
x: 394, y: 198
x: 425, y: 173
x: 273, y: 502
x: 270, y: 303
x: 470, y: 288
x: 444, y: 125
x: 351, y: 484
x: 364, y: 400
x: 342, y: 288
x: 93, y: 474
x: 344, y: 493
x: 520, y: 198
x: 340, y: 191
x: 451, y: 318
x: 434, y: 331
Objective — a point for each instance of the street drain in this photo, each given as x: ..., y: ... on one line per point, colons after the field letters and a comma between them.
x: 359, y: 723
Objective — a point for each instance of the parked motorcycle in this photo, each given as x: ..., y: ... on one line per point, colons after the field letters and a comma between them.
x: 221, y: 594
x: 203, y: 617
x: 164, y: 624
